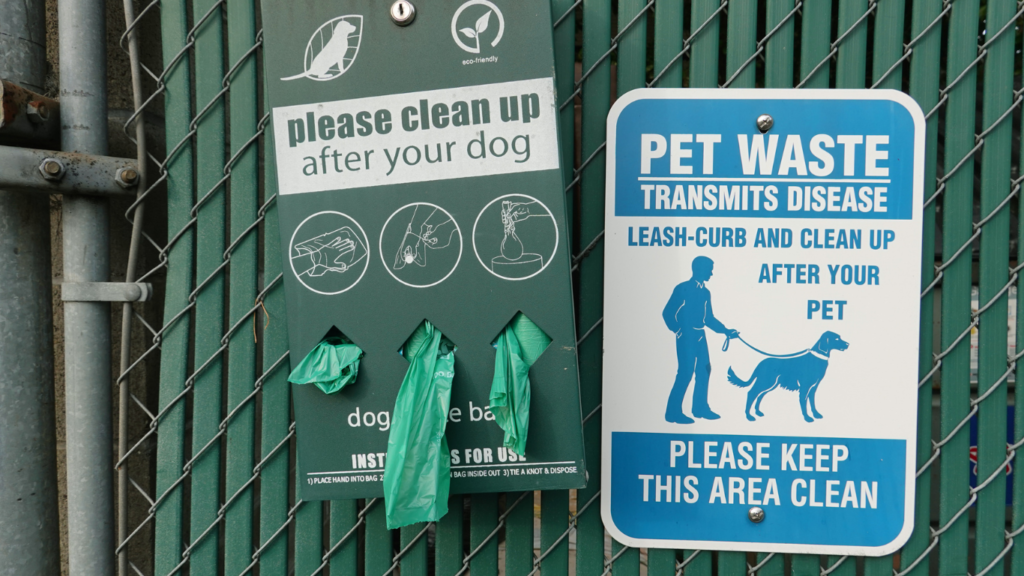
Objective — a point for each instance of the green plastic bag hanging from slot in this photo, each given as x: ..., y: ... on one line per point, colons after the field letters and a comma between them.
x: 417, y: 470
x: 517, y: 348
x: 330, y: 365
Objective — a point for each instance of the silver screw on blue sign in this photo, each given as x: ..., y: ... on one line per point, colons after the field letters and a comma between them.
x: 765, y: 123
x: 756, y: 515
x: 403, y: 12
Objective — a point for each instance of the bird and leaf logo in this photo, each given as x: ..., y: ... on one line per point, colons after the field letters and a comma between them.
x: 333, y: 47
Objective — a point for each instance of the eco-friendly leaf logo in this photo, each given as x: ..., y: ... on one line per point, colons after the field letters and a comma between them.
x: 481, y: 25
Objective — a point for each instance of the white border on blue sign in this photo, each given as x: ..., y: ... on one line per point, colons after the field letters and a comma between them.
x: 620, y: 105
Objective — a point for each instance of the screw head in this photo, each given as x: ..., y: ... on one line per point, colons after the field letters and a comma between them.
x: 127, y: 177
x: 403, y: 12
x: 52, y: 169
x: 765, y: 123
x: 37, y: 112
x: 756, y: 515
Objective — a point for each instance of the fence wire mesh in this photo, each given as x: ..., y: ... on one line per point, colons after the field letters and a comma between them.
x: 211, y: 475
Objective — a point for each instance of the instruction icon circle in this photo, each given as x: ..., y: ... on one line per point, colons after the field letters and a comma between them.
x: 329, y: 253
x: 420, y: 245
x: 515, y: 237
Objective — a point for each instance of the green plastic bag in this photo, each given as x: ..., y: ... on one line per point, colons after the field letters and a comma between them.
x: 417, y: 470
x: 517, y: 348
x: 331, y: 365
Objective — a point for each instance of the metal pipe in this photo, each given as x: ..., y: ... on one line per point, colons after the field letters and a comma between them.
x: 126, y: 309
x: 29, y: 530
x: 88, y: 384
x: 47, y: 172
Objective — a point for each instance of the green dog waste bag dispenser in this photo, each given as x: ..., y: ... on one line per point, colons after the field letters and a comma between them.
x: 420, y: 198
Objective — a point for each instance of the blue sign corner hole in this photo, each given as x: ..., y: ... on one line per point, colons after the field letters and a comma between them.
x: 814, y: 491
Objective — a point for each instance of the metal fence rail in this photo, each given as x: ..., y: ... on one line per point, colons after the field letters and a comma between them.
x: 220, y: 438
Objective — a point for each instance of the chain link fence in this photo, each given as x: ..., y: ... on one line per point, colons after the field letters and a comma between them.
x: 207, y: 486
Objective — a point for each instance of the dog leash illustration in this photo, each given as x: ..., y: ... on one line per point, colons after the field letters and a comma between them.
x: 725, y: 348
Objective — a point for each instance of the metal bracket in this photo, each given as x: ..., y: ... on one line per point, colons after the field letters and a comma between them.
x: 27, y: 118
x: 49, y: 172
x: 105, y: 291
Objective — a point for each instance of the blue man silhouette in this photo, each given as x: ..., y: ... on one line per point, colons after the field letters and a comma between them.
x: 687, y: 312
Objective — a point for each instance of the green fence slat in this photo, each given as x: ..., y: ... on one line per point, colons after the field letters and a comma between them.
x: 995, y: 253
x: 888, y: 45
x: 170, y: 447
x: 778, y: 66
x: 627, y: 560
x: 815, y: 44
x: 700, y: 564
x: 741, y: 41
x: 596, y: 92
x: 924, y: 88
x: 661, y: 562
x: 483, y: 517
x: 209, y: 313
x: 378, y: 548
x: 956, y: 286
x: 565, y: 73
x: 519, y: 534
x: 631, y: 70
x: 846, y: 566
x: 275, y: 417
x: 554, y: 520
x: 668, y: 43
x: 448, y: 538
x: 805, y: 565
x: 414, y: 562
x: 308, y: 536
x: 343, y: 518
x: 731, y: 563
x: 704, y: 51
x: 775, y: 566
x: 852, y: 59
x: 1016, y: 556
x: 244, y: 182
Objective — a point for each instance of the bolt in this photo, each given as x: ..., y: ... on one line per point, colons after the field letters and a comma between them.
x: 37, y: 112
x: 403, y: 12
x: 52, y: 169
x: 756, y: 515
x: 127, y: 177
x: 765, y: 123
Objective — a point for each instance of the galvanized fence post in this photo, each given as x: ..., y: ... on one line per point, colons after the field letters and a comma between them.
x: 88, y: 382
x: 29, y: 539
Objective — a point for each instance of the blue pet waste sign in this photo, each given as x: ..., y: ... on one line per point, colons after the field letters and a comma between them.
x: 761, y: 318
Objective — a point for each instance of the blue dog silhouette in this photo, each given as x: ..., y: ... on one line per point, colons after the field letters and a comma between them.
x: 803, y: 372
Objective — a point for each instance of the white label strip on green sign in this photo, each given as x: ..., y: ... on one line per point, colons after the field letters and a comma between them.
x: 481, y: 130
